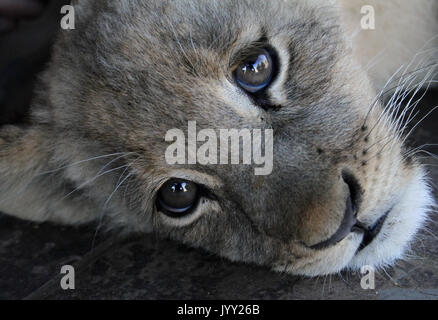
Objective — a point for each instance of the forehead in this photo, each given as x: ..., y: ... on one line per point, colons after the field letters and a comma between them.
x: 213, y: 24
x: 165, y: 47
x: 162, y: 36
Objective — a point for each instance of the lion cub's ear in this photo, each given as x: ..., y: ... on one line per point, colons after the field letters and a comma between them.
x: 28, y: 189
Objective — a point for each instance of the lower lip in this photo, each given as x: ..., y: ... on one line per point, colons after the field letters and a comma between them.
x: 370, y: 233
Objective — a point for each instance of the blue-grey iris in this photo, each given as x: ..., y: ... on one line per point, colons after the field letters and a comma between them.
x: 255, y: 72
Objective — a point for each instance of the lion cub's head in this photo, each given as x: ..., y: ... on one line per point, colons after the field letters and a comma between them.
x: 340, y: 189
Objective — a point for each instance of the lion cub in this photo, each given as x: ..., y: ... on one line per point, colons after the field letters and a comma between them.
x: 344, y: 190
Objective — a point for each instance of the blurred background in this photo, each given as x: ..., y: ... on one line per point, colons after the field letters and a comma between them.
x: 27, y: 30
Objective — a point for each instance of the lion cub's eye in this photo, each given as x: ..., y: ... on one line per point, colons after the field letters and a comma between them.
x: 255, y: 73
x: 177, y: 197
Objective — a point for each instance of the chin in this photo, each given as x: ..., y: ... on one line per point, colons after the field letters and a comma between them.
x: 398, y: 227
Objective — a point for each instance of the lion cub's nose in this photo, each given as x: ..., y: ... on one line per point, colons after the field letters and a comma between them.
x: 349, y: 219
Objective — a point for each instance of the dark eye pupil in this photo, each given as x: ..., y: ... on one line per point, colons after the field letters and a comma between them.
x: 179, y: 187
x: 176, y: 197
x: 257, y: 67
x: 255, y: 73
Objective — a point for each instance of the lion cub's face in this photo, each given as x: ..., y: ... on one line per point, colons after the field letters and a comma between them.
x: 340, y: 193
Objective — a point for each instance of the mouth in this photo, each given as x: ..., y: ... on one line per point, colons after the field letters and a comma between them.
x: 370, y: 232
x: 350, y: 224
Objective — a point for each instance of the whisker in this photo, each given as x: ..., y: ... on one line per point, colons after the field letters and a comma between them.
x: 92, y: 180
x: 418, y: 123
x: 100, y: 223
x: 180, y: 46
x: 83, y: 161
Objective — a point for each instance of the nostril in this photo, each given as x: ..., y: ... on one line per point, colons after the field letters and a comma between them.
x: 355, y: 189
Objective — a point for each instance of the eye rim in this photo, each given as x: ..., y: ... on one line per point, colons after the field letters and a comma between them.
x: 178, y: 213
x: 273, y: 61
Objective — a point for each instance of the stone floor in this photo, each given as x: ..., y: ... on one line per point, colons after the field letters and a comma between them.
x: 144, y: 267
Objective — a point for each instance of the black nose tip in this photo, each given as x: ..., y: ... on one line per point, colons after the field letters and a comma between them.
x: 349, y: 219
x: 354, y: 187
